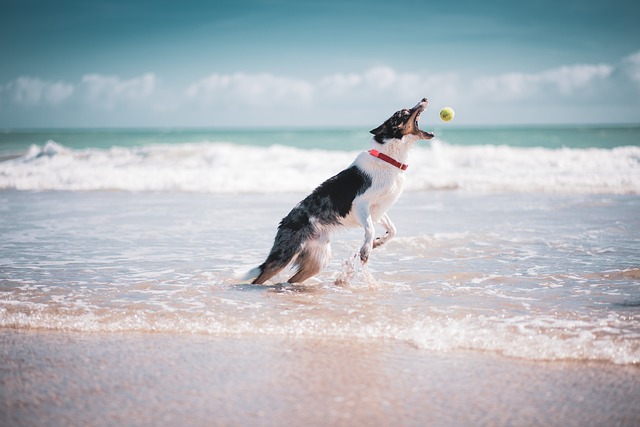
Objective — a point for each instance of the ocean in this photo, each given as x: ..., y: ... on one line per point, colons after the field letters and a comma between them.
x: 516, y: 243
x: 580, y: 160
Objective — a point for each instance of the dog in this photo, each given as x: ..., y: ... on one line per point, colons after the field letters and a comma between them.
x: 360, y: 195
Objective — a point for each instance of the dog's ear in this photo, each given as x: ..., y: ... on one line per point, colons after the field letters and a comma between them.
x: 379, y: 130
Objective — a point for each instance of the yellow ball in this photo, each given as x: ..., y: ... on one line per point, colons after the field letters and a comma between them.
x: 446, y: 114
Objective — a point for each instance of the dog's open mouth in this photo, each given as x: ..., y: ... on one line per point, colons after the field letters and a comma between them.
x: 414, y: 127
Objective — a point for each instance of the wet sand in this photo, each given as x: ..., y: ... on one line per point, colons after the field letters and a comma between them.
x: 78, y: 379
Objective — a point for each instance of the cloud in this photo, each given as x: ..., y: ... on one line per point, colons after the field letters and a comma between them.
x: 246, y: 90
x: 337, y: 98
x: 32, y: 92
x: 385, y: 81
x: 107, y: 92
x: 631, y: 68
x: 563, y: 80
x: 95, y: 90
x: 257, y: 90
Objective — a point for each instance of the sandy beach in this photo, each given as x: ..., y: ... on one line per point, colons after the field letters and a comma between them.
x: 79, y: 379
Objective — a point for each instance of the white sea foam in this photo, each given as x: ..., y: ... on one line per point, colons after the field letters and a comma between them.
x: 228, y: 168
x: 534, y: 337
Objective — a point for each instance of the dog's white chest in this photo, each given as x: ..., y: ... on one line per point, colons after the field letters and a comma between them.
x: 385, y: 190
x: 386, y: 187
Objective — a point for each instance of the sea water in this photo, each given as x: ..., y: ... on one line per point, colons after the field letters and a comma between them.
x: 524, y: 249
x: 568, y: 160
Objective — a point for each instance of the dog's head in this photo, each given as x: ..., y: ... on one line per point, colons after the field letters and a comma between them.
x: 403, y: 123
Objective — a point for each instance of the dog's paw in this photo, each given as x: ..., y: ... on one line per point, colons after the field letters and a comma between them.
x: 378, y: 242
x: 365, y: 251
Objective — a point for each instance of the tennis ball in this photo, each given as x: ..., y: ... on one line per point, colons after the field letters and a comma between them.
x: 446, y: 114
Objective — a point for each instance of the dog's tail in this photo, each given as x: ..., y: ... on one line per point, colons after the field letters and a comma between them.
x: 246, y: 276
x: 291, y: 238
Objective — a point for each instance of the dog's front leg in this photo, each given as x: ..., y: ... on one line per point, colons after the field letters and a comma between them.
x: 364, y: 217
x: 389, y: 227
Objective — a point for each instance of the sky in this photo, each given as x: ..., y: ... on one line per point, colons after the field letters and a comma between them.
x: 328, y: 63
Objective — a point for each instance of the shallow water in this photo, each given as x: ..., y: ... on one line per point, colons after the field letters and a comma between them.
x: 534, y: 276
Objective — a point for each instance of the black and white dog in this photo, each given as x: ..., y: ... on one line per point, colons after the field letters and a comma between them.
x: 358, y: 196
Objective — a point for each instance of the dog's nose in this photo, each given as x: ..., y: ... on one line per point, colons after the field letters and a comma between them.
x: 424, y: 100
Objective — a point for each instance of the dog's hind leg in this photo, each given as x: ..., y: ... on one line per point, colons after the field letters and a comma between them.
x: 281, y: 255
x: 294, y: 232
x: 311, y: 260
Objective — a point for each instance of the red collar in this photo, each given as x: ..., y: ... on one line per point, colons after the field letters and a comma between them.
x: 390, y: 160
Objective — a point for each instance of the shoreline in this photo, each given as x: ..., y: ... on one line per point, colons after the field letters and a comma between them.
x: 73, y: 378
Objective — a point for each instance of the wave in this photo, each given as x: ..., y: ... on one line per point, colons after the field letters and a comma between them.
x: 533, y: 337
x: 220, y: 167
